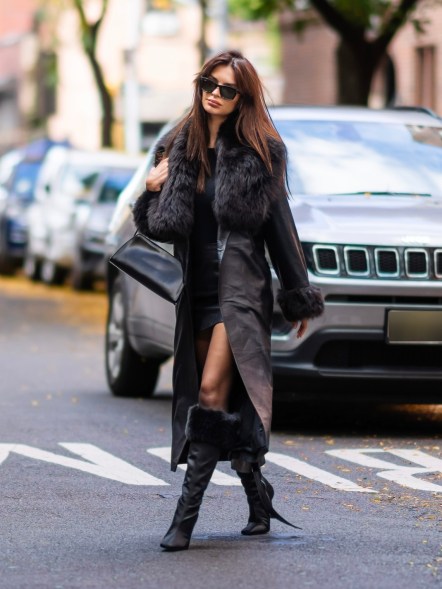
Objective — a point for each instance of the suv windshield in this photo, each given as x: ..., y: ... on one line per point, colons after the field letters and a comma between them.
x: 78, y: 180
x: 340, y: 157
x: 113, y: 185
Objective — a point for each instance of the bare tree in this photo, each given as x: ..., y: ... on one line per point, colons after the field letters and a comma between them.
x: 89, y: 32
x: 89, y: 36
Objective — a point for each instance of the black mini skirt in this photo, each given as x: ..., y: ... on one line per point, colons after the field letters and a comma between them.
x: 205, y: 276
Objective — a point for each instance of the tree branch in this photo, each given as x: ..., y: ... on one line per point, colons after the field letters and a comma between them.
x: 79, y: 6
x: 349, y: 32
x: 103, y: 10
x: 392, y: 24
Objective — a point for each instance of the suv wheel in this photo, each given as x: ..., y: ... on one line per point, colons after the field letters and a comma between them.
x: 81, y: 279
x: 51, y: 273
x: 128, y: 374
x: 7, y: 265
x: 32, y: 267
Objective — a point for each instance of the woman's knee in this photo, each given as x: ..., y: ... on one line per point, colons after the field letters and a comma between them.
x: 211, y: 394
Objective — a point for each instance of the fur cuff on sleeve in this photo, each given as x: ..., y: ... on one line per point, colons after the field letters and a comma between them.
x: 301, y: 303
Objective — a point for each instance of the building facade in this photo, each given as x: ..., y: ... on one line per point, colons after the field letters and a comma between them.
x: 16, y: 66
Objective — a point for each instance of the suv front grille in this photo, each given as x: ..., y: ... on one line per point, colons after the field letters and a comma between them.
x: 387, y: 262
x: 438, y: 263
x: 400, y: 263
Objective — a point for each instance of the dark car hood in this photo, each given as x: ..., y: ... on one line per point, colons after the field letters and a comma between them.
x: 369, y: 220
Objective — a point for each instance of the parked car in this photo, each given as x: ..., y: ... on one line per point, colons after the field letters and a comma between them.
x: 63, y: 195
x: 8, y: 161
x: 89, y: 262
x: 18, y: 190
x: 366, y: 196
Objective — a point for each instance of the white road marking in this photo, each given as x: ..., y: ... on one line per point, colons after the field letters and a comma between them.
x: 103, y: 464
x: 402, y: 475
x: 218, y: 477
x: 314, y: 473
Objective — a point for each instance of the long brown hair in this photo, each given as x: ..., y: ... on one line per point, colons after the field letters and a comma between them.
x: 253, y: 125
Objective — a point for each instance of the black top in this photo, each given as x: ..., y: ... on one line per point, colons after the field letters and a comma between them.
x: 205, y: 225
x: 204, y: 256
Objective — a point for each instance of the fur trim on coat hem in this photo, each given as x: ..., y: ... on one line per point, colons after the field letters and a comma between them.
x: 212, y: 427
x: 301, y: 303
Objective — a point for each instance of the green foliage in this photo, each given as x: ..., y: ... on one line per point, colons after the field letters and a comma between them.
x: 363, y: 14
x: 274, y: 36
x: 420, y: 24
x: 256, y: 9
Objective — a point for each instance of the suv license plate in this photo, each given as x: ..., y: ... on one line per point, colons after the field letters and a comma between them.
x: 414, y: 327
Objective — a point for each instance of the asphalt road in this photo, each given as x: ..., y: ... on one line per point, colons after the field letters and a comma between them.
x: 87, y: 492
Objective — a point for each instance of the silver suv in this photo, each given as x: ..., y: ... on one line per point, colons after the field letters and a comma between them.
x: 366, y: 195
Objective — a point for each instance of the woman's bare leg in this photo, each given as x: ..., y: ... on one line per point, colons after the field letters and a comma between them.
x: 215, y: 359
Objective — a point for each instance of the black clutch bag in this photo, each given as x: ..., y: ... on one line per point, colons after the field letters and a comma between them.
x: 151, y: 265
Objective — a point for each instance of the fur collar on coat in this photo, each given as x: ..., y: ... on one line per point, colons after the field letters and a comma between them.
x: 245, y: 190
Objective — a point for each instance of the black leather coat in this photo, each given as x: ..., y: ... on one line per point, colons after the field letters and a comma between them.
x: 253, y: 213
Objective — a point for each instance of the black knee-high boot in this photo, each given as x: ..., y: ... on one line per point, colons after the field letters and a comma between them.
x: 259, y: 494
x: 209, y: 432
x: 259, y: 518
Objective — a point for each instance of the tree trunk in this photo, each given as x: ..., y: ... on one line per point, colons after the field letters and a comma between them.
x: 107, y: 105
x: 202, y: 43
x: 355, y: 71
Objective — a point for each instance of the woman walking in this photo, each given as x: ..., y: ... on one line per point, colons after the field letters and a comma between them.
x: 219, y: 195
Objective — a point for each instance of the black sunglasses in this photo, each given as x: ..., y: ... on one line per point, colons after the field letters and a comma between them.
x: 226, y: 92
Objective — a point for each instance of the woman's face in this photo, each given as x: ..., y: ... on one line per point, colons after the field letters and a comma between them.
x: 212, y: 98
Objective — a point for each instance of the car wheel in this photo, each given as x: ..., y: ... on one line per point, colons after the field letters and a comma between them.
x: 7, y: 266
x: 51, y: 273
x: 32, y: 267
x: 81, y: 279
x: 128, y: 374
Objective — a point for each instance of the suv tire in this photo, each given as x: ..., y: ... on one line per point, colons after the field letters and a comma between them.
x: 7, y: 266
x: 128, y: 374
x: 52, y: 273
x: 81, y: 279
x: 32, y: 267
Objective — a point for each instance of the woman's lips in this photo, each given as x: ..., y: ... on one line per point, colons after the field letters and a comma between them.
x: 212, y: 102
